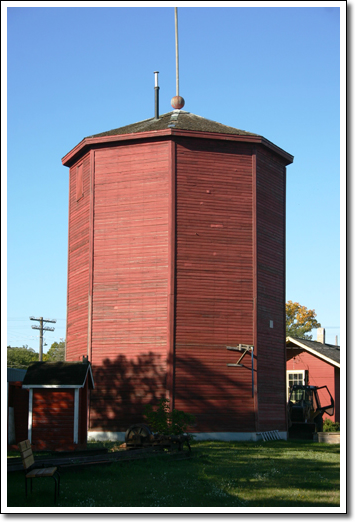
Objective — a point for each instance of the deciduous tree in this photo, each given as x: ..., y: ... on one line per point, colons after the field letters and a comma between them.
x: 300, y: 320
x: 20, y: 357
x: 56, y: 352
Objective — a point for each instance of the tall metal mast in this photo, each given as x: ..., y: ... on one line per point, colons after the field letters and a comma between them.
x: 177, y: 51
x: 177, y: 101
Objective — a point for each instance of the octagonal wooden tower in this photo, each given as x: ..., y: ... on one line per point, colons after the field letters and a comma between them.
x: 176, y: 251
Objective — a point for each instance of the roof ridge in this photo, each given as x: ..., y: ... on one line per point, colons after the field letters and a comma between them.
x: 314, y: 341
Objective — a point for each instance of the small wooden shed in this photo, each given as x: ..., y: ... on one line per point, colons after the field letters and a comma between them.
x: 58, y: 404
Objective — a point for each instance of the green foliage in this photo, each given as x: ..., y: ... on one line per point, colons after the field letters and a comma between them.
x: 300, y: 320
x: 24, y: 356
x: 162, y: 420
x: 329, y: 425
x: 56, y: 352
x: 20, y: 357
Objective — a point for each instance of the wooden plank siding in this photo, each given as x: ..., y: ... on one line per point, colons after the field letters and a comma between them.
x: 78, y: 261
x: 320, y: 373
x: 214, y: 283
x: 176, y: 251
x: 130, y: 282
x: 53, y: 418
x: 270, y: 283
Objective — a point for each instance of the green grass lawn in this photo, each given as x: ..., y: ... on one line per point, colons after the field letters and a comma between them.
x: 220, y: 474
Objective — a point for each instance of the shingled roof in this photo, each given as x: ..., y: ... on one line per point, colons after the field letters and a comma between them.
x: 58, y: 374
x: 174, y: 123
x: 325, y: 351
x: 176, y: 119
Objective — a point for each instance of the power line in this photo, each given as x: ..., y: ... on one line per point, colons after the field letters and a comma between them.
x: 327, y: 327
x: 25, y: 319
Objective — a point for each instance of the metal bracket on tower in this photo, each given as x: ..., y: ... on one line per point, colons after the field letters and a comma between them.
x: 244, y: 348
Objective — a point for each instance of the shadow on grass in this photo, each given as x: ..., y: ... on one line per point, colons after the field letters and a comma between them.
x: 272, y: 474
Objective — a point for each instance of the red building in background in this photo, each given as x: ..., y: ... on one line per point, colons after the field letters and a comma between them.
x: 176, y: 251
x: 315, y: 363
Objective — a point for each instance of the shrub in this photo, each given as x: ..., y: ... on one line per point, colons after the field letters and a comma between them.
x: 166, y: 422
x: 328, y: 425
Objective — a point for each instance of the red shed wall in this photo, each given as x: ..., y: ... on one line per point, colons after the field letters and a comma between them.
x: 18, y: 399
x: 270, y: 188
x: 78, y: 263
x: 53, y: 419
x: 129, y: 282
x: 320, y: 373
x: 214, y: 283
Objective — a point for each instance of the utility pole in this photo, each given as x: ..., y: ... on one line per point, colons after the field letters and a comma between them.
x: 42, y: 328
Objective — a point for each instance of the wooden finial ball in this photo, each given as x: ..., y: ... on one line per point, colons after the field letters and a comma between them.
x: 177, y: 102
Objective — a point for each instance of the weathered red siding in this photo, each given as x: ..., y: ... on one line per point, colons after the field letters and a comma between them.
x: 78, y: 261
x: 214, y: 283
x: 130, y: 282
x: 52, y: 419
x: 270, y: 187
x: 320, y: 373
x: 177, y: 250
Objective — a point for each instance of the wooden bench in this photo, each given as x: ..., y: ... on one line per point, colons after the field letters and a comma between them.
x: 32, y: 472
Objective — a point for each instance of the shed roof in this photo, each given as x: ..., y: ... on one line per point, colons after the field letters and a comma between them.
x: 327, y: 352
x: 15, y: 374
x: 58, y: 374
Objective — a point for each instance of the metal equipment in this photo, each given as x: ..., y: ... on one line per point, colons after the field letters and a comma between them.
x: 306, y: 409
x: 244, y: 349
x: 269, y: 435
x: 140, y: 436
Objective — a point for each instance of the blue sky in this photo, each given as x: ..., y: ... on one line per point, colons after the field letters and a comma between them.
x: 77, y: 71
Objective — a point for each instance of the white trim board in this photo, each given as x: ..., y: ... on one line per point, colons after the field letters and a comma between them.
x: 313, y: 352
x: 76, y: 416
x: 32, y: 386
x: 30, y: 409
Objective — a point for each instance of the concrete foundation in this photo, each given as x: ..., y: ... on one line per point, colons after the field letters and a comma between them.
x: 216, y: 436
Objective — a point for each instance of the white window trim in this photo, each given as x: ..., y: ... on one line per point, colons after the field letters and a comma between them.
x: 287, y: 379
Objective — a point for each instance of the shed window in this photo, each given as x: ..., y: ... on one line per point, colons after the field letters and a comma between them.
x: 79, y: 182
x: 299, y: 377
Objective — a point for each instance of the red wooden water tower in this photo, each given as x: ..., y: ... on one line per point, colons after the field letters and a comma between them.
x: 177, y: 252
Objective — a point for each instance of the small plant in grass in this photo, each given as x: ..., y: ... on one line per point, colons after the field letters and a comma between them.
x: 330, y: 426
x: 165, y: 421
